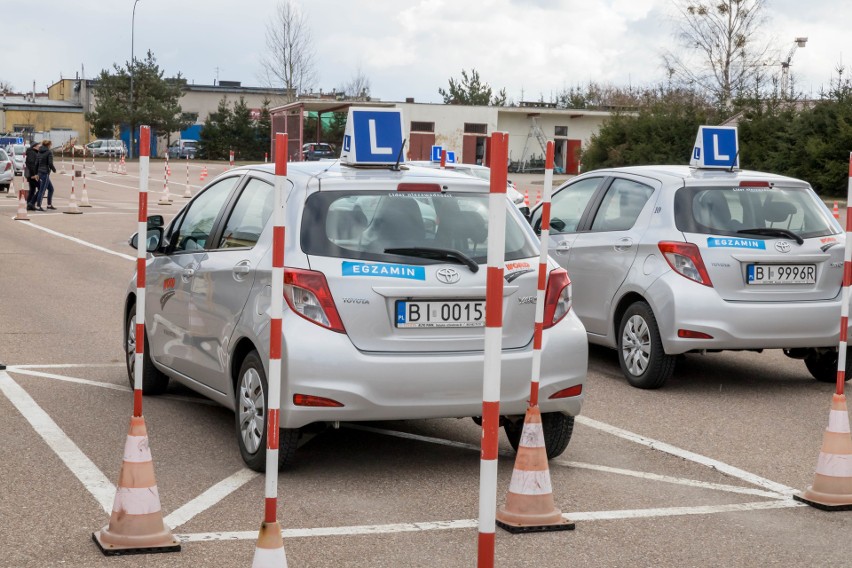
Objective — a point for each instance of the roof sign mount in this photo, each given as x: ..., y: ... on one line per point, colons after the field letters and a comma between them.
x: 716, y: 148
x: 373, y: 137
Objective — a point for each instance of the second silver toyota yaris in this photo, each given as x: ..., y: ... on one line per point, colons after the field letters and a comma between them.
x: 384, y: 305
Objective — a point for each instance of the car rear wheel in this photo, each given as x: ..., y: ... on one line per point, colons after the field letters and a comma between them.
x: 153, y: 381
x: 556, y: 426
x: 822, y: 365
x: 640, y: 350
x: 250, y: 415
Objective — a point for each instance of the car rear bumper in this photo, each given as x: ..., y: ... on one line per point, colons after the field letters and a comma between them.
x: 738, y: 325
x: 401, y: 386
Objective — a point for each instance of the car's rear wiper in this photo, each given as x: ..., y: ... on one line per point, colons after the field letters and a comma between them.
x: 773, y: 232
x: 438, y: 254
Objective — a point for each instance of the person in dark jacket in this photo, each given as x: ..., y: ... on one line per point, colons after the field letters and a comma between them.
x: 31, y: 173
x: 45, y: 166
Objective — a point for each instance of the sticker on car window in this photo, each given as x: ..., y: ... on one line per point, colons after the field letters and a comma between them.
x: 736, y: 243
x: 385, y: 270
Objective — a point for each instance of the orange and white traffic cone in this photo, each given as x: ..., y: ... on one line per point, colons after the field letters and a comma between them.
x: 836, y: 211
x: 22, y: 207
x: 832, y: 486
x: 136, y: 523
x: 529, y: 504
x: 269, y: 552
x: 537, y: 196
x: 72, y: 204
x: 122, y: 168
x: 84, y: 201
x: 527, y: 197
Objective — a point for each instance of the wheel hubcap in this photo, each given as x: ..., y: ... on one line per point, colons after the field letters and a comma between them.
x: 636, y: 345
x: 252, y: 409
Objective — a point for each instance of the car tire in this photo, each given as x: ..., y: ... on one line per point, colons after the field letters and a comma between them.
x: 154, y: 381
x: 823, y: 365
x: 250, y: 412
x: 556, y: 426
x: 640, y: 350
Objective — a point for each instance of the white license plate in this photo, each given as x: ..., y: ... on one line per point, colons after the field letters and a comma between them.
x: 440, y: 314
x: 781, y: 274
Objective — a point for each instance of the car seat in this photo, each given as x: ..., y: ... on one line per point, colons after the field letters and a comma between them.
x: 397, y: 223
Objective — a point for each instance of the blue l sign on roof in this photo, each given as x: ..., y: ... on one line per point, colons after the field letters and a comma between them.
x: 373, y: 136
x: 436, y: 153
x: 716, y: 147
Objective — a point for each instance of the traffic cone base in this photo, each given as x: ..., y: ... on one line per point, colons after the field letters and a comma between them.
x: 269, y: 552
x: 136, y: 522
x: 21, y: 215
x: 832, y: 486
x: 529, y: 503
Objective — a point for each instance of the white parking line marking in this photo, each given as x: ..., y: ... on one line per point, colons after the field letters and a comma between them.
x: 111, y: 386
x: 66, y: 366
x: 74, y: 459
x: 691, y: 456
x: 473, y: 523
x: 209, y: 498
x: 565, y: 463
x: 80, y: 241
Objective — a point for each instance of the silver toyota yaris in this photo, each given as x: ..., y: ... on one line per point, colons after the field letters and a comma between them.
x: 384, y: 304
x: 667, y: 260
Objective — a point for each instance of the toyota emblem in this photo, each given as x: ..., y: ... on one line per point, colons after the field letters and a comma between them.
x: 448, y: 276
x: 783, y: 246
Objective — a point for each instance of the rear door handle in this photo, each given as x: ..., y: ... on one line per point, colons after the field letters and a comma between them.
x: 623, y: 244
x: 187, y: 273
x: 241, y: 269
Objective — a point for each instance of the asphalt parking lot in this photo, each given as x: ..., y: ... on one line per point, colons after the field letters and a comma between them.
x: 699, y: 473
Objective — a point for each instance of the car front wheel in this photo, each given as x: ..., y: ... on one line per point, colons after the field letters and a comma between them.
x: 153, y: 380
x: 250, y: 415
x: 556, y: 426
x: 640, y: 350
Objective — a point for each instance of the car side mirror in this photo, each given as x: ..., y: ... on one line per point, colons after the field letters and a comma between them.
x: 155, y: 221
x: 153, y: 239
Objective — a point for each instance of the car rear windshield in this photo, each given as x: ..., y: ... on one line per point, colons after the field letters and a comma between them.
x: 363, y: 225
x: 189, y: 144
x: 729, y: 210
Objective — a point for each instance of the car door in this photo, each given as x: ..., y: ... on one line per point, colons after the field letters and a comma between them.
x: 171, y: 280
x: 603, y: 251
x: 224, y: 276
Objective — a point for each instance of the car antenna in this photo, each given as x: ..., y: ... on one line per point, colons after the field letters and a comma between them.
x: 395, y: 168
x: 734, y: 162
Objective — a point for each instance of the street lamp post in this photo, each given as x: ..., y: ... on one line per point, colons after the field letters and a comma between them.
x: 132, y: 65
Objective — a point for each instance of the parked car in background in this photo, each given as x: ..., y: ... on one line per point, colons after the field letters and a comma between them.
x: 667, y: 260
x: 7, y: 171
x: 183, y: 149
x: 318, y: 151
x: 18, y: 154
x: 105, y: 147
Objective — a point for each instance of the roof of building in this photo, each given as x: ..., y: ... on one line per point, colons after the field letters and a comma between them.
x: 25, y: 103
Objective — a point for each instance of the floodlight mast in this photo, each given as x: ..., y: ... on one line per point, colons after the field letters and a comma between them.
x: 785, y: 64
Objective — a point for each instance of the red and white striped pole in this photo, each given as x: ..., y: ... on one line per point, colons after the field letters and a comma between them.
x: 231, y: 160
x: 141, y: 255
x: 187, y: 193
x: 270, y: 546
x: 847, y: 282
x: 265, y: 157
x: 444, y: 159
x: 493, y: 349
x: 542, y: 274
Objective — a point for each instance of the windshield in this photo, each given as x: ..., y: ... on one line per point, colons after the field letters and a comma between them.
x: 750, y: 210
x: 363, y: 225
x: 18, y: 149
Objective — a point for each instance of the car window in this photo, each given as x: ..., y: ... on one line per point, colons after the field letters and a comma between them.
x: 249, y: 215
x: 568, y: 206
x: 198, y: 220
x: 3, y: 155
x: 363, y: 224
x: 621, y: 205
x: 727, y: 210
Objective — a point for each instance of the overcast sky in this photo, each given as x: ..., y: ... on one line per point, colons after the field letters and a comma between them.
x: 406, y: 49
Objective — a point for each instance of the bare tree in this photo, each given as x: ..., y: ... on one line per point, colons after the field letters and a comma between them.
x: 289, y: 61
x: 358, y: 87
x: 722, y: 49
x: 5, y: 87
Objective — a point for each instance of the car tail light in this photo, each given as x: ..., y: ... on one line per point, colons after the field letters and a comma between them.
x: 308, y: 295
x: 311, y: 400
x: 8, y: 166
x: 417, y: 187
x: 685, y: 259
x: 557, y: 297
x: 576, y: 390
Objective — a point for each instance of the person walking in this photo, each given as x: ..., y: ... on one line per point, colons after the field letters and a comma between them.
x: 45, y: 167
x: 31, y: 174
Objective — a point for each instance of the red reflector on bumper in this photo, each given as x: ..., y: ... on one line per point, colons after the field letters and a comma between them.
x: 310, y: 400
x: 689, y: 334
x: 565, y: 393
